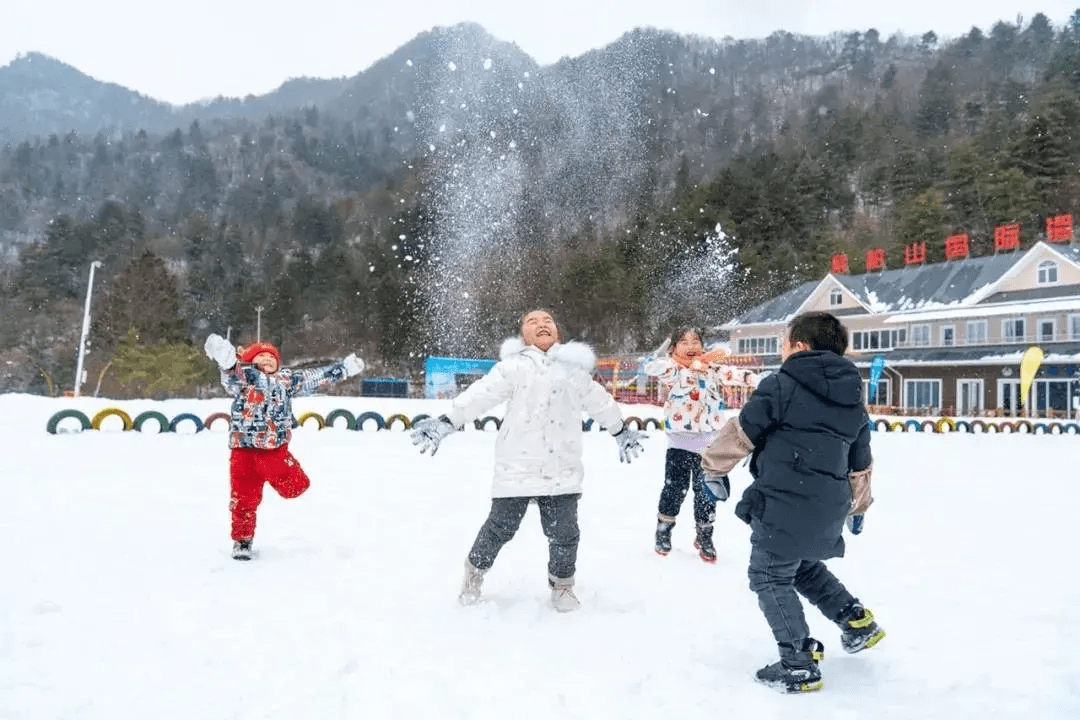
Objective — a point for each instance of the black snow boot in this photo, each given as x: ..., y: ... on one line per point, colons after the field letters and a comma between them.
x: 664, y: 526
x: 859, y: 629
x: 704, y: 543
x: 791, y: 679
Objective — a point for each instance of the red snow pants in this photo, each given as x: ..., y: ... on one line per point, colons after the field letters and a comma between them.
x: 249, y: 468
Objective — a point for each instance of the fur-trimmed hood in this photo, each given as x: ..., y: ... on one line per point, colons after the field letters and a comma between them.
x: 576, y: 355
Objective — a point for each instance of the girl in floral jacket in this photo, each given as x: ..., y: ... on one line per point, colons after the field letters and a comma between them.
x: 696, y: 383
x: 261, y: 425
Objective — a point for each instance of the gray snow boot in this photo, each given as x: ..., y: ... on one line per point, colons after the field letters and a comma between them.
x: 471, y: 584
x: 241, y: 550
x: 563, y: 598
x: 704, y: 543
x: 664, y: 526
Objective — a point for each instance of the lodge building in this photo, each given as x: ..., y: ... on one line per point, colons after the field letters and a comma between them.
x: 952, y: 333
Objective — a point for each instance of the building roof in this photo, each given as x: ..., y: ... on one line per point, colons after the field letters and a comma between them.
x: 908, y: 289
x: 972, y: 355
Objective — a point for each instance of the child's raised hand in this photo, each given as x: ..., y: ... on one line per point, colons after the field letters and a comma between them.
x: 353, y: 365
x: 629, y: 442
x: 220, y: 351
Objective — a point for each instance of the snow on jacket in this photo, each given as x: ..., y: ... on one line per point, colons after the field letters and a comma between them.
x: 808, y: 430
x: 538, y: 449
x: 262, y: 414
x: 695, y: 397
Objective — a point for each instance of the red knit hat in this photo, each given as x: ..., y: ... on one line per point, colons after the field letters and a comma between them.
x: 255, y: 348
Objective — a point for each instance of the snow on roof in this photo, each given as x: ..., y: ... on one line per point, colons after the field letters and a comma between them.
x: 1046, y: 306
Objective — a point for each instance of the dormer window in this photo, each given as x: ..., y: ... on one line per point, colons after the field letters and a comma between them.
x: 837, y: 298
x: 1047, y: 272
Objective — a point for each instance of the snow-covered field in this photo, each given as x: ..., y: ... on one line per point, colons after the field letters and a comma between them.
x: 119, y: 600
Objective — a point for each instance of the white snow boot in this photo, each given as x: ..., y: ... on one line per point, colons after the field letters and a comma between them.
x: 471, y: 584
x: 563, y: 598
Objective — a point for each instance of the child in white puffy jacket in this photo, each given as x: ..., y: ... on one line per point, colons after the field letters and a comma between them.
x: 546, y: 385
x: 693, y: 413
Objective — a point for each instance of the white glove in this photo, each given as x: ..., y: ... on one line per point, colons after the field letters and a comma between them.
x: 220, y: 351
x: 429, y: 432
x: 353, y: 365
x: 629, y: 443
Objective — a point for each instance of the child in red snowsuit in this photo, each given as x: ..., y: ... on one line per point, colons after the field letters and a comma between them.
x: 261, y: 425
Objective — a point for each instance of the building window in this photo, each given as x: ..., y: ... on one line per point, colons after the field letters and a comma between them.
x: 1074, y: 327
x: 975, y: 332
x: 948, y: 335
x: 920, y: 335
x: 863, y: 340
x: 1047, y: 330
x: 1047, y: 272
x: 922, y: 394
x: 836, y: 298
x: 759, y: 346
x: 1012, y: 330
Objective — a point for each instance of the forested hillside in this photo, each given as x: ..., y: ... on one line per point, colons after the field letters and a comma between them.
x: 419, y: 206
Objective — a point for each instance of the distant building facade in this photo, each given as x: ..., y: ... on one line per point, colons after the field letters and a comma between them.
x: 952, y: 333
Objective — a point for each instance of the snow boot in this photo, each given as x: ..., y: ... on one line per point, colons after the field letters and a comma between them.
x: 563, y: 598
x: 791, y: 678
x: 664, y: 526
x: 859, y: 629
x: 471, y: 584
x: 241, y: 550
x: 704, y: 543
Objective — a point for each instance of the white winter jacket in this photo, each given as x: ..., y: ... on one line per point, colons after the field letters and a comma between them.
x: 538, y: 449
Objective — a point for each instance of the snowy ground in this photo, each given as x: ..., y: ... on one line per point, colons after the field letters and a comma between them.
x: 119, y: 599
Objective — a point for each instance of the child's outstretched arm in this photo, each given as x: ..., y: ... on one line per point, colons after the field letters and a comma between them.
x: 221, y: 351
x: 482, y: 395
x: 603, y: 409
x: 306, y: 382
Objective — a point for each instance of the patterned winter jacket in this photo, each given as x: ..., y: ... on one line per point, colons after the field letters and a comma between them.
x: 262, y: 414
x: 695, y: 397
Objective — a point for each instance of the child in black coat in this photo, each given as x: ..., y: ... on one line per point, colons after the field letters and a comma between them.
x: 809, y: 435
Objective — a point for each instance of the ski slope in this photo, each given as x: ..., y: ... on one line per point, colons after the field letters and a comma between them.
x: 119, y: 599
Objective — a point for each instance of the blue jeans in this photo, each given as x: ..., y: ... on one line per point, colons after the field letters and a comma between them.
x: 778, y: 582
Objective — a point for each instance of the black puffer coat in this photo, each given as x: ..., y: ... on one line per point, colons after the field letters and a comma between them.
x: 809, y: 428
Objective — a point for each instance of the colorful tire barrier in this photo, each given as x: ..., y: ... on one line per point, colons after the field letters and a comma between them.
x: 186, y: 416
x: 308, y: 416
x: 656, y: 424
x: 897, y: 426
x: 964, y: 425
x: 1042, y: 427
x: 914, y: 425
x: 978, y: 425
x: 350, y: 419
x: 633, y: 420
x: 881, y: 424
x: 945, y: 425
x: 109, y: 412
x: 1026, y: 425
x: 1070, y: 429
x: 55, y: 420
x: 214, y: 417
x: 928, y: 426
x: 159, y: 418
x: 418, y: 417
x: 370, y: 415
x: 482, y: 423
x: 406, y: 423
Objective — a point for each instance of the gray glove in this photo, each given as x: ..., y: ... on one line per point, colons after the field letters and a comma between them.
x: 629, y: 443
x: 429, y: 432
x: 220, y: 351
x: 717, y: 487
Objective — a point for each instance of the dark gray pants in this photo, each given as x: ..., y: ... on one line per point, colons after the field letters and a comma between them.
x: 776, y: 580
x: 558, y: 518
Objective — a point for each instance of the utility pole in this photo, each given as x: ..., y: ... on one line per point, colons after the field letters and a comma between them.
x: 85, y: 328
x: 258, y: 323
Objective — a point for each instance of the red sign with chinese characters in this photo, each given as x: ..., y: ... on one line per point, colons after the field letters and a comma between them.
x: 956, y: 246
x: 915, y: 253
x: 875, y: 259
x: 1006, y: 237
x: 839, y: 263
x: 1059, y: 228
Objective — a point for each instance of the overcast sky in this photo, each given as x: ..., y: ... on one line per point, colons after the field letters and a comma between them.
x: 197, y: 49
